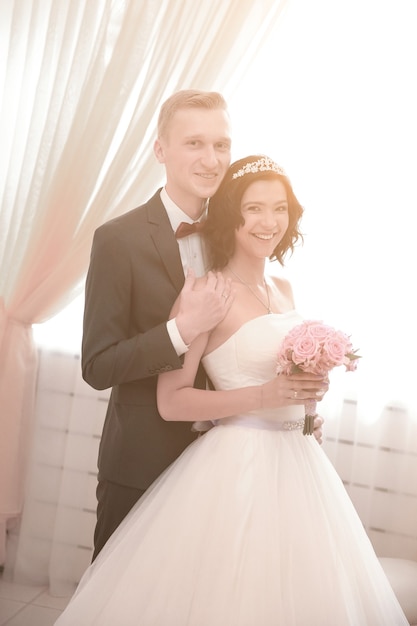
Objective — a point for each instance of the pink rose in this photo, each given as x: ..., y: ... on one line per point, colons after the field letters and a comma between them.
x: 318, y: 330
x: 335, y: 347
x: 304, y: 349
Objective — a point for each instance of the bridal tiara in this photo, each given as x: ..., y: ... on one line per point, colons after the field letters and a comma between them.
x: 264, y: 164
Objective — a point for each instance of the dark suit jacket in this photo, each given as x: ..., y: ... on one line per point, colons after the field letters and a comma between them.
x: 134, y: 277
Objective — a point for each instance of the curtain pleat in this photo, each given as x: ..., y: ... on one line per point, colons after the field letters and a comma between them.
x: 82, y: 83
x: 81, y: 87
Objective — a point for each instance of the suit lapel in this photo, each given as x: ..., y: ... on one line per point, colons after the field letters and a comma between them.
x: 164, y: 240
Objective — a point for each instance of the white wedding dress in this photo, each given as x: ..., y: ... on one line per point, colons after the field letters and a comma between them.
x: 251, y: 526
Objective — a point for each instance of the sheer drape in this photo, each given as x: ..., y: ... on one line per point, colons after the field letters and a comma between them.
x: 82, y: 83
x: 341, y: 119
x: 347, y: 135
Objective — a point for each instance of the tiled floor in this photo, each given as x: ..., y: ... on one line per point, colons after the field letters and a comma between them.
x: 22, y: 605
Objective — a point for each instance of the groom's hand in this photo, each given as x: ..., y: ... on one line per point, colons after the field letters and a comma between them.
x: 203, y: 303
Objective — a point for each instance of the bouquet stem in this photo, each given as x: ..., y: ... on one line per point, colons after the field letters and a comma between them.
x: 310, y: 414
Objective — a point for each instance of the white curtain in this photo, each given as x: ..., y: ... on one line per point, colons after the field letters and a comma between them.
x: 343, y: 123
x: 81, y: 84
x: 336, y: 86
x: 332, y: 97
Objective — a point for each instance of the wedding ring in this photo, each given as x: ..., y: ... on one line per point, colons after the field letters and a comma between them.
x: 295, y: 394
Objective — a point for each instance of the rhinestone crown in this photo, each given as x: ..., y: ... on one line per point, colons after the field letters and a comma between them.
x: 264, y: 164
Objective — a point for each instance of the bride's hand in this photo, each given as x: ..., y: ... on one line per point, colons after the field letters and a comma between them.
x: 285, y: 390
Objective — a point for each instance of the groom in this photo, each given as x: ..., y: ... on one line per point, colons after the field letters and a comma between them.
x: 136, y: 272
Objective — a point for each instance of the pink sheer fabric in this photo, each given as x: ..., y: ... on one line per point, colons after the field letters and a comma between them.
x: 17, y: 389
x: 82, y: 87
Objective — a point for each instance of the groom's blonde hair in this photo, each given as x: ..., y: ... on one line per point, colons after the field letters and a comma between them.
x: 188, y: 99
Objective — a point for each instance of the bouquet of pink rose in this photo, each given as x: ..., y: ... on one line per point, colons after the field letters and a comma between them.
x: 314, y: 347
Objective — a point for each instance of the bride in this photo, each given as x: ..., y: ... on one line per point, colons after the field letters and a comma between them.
x: 251, y: 526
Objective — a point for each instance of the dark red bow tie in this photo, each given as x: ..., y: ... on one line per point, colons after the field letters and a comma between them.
x: 185, y: 229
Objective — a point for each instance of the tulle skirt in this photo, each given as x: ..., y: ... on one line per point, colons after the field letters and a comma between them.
x: 249, y: 527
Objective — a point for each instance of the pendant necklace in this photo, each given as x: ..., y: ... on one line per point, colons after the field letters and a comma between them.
x: 268, y: 307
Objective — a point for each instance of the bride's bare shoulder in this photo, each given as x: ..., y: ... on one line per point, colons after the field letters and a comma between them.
x: 283, y: 295
x: 281, y: 283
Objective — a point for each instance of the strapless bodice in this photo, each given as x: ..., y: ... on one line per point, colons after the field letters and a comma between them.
x: 249, y: 357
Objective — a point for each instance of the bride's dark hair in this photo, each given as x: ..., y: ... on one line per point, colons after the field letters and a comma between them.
x: 224, y: 214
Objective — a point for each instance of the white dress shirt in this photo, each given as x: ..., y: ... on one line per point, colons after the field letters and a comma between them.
x: 193, y: 255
